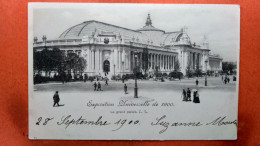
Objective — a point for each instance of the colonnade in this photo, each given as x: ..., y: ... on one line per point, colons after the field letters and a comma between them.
x: 164, y: 62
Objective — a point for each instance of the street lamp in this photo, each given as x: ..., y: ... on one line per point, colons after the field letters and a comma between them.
x: 114, y: 70
x: 35, y: 39
x: 123, y: 66
x: 44, y: 38
x: 206, y: 63
x: 135, y: 89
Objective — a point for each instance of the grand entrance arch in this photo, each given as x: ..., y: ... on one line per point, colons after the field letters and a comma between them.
x: 106, y: 66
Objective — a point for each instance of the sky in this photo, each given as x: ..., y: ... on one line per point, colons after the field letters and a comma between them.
x: 219, y: 23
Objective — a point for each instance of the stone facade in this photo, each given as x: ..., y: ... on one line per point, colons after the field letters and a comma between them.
x: 109, y: 49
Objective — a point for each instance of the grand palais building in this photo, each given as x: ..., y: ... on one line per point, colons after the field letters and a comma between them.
x: 111, y: 49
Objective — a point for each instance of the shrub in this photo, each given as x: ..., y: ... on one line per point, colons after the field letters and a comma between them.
x: 164, y: 75
x: 175, y: 74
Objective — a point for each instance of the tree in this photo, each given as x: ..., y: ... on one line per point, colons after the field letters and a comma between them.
x: 228, y: 67
x: 37, y: 62
x: 58, y: 57
x: 81, y: 65
x: 47, y: 61
x: 71, y: 60
x: 176, y: 66
x: 198, y: 71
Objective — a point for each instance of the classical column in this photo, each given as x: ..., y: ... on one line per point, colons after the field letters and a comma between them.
x: 93, y: 59
x: 141, y: 60
x: 170, y: 62
x: 97, y: 60
x: 123, y: 55
x: 153, y: 61
x: 115, y: 58
x: 119, y: 60
x: 159, y: 62
x: 171, y: 58
x: 88, y: 59
x: 163, y: 62
x: 132, y: 60
x: 174, y: 60
x: 101, y: 61
x: 112, y: 61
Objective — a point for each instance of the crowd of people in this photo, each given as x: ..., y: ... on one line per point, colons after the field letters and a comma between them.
x: 186, y: 95
x: 226, y: 79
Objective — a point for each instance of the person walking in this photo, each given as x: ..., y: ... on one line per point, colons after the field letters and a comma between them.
x: 99, y: 87
x: 184, y: 95
x: 106, y: 83
x: 197, y: 82
x: 95, y: 86
x: 188, y: 95
x: 125, y: 89
x: 56, y: 99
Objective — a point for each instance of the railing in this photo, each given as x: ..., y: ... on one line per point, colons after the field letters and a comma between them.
x: 58, y: 42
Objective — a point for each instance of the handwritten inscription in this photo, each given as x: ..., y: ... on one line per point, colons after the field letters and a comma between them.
x: 166, y: 124
x: 67, y: 120
x: 161, y: 121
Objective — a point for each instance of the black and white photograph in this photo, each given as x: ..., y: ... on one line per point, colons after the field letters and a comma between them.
x: 133, y: 71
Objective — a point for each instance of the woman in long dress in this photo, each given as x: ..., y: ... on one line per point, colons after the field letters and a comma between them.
x: 196, y: 98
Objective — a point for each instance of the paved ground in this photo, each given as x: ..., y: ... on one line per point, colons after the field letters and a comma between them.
x: 217, y: 100
x: 213, y: 83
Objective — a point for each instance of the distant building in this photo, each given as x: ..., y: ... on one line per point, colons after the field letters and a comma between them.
x: 110, y: 49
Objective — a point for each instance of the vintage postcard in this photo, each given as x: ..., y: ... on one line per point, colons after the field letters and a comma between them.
x: 133, y: 71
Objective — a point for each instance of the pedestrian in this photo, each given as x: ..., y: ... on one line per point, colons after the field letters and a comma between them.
x: 125, y: 89
x: 197, y: 82
x: 95, y: 86
x: 99, y: 87
x: 228, y: 79
x: 106, y: 82
x: 184, y: 95
x: 196, y: 98
x: 188, y: 95
x: 225, y: 81
x: 56, y: 99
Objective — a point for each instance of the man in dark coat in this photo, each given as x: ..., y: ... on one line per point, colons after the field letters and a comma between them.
x: 56, y: 99
x: 188, y: 95
x: 99, y: 87
x: 106, y: 82
x: 95, y: 86
x: 197, y: 82
x: 125, y: 89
